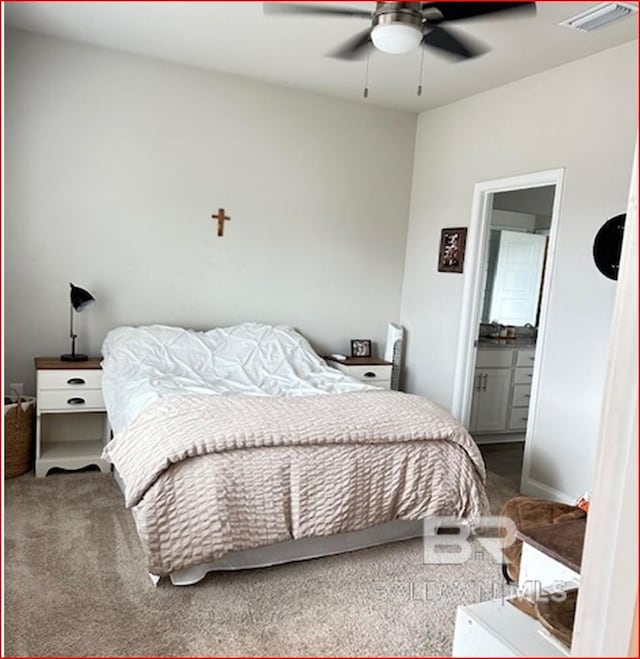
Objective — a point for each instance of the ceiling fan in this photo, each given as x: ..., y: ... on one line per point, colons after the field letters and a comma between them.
x: 398, y: 27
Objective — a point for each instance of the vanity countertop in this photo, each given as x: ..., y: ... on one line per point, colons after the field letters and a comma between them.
x: 522, y: 342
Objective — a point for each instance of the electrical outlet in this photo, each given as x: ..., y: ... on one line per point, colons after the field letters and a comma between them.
x: 16, y: 390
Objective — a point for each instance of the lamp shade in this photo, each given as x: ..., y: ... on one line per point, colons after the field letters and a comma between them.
x: 80, y: 299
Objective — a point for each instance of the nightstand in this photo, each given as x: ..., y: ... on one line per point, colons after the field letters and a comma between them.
x: 366, y: 369
x: 71, y: 420
x: 550, y: 562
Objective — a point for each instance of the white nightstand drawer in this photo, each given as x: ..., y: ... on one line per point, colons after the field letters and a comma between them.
x: 71, y: 379
x: 383, y: 384
x: 73, y: 401
x: 369, y: 374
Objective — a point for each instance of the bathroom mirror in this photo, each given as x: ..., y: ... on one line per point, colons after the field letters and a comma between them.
x: 516, y: 252
x: 514, y: 277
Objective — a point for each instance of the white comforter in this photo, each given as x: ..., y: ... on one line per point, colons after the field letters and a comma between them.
x: 143, y: 364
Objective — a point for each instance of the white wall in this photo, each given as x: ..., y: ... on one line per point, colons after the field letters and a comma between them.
x: 538, y: 201
x: 513, y: 220
x: 581, y: 116
x: 115, y: 163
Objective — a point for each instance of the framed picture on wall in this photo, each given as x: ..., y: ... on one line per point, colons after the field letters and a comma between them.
x: 452, y: 243
x: 361, y: 348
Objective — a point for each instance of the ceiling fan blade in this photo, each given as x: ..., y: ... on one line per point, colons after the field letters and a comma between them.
x: 457, y: 11
x: 356, y: 48
x: 451, y: 44
x: 316, y: 10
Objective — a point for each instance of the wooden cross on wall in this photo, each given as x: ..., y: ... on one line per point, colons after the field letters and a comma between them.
x: 221, y: 217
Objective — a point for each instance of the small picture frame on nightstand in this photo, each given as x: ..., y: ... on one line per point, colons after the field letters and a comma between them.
x: 360, y: 347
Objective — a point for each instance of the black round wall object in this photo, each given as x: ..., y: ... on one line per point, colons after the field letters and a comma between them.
x: 608, y: 245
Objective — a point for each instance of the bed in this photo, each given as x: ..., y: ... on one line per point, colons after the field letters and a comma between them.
x: 240, y: 447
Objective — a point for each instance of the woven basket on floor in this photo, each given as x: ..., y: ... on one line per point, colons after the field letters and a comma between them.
x: 18, y: 437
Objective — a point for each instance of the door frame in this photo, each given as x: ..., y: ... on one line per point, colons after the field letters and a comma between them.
x: 477, y: 245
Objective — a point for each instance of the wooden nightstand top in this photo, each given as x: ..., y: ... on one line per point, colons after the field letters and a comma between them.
x: 359, y: 361
x: 563, y: 541
x: 51, y: 363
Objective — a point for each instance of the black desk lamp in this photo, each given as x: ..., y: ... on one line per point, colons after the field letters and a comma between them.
x: 80, y: 300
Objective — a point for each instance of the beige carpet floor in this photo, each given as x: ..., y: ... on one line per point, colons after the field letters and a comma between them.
x: 75, y: 585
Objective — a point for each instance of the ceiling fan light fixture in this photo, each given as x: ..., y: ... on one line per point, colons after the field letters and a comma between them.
x: 396, y: 37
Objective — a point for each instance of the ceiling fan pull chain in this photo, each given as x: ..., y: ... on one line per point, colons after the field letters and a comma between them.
x: 366, y: 77
x: 421, y: 70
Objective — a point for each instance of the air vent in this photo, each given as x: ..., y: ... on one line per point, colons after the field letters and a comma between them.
x: 600, y: 16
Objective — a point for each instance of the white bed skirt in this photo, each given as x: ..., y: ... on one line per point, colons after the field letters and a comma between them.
x: 296, y: 550
x: 302, y: 549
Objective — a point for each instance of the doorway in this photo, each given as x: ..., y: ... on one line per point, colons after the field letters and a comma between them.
x: 510, y: 257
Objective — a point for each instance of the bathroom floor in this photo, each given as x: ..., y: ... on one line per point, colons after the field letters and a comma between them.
x: 504, y: 460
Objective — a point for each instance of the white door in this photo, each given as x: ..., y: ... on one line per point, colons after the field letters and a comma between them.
x: 491, y: 400
x: 516, y: 288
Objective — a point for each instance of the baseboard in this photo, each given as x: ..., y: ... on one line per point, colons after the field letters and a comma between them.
x: 535, y: 488
x: 503, y: 438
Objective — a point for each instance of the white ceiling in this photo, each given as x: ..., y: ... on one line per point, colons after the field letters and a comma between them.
x: 236, y: 37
